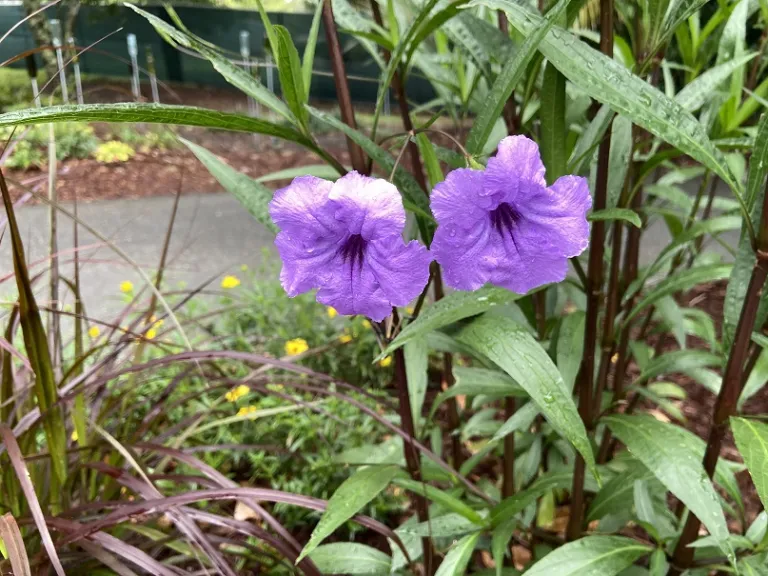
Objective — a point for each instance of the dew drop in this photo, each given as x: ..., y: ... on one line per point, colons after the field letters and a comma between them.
x: 548, y: 398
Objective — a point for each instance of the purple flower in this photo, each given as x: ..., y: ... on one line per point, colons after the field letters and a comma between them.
x: 504, y: 226
x: 345, y: 239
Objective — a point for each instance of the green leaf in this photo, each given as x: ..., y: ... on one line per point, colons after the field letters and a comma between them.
x: 570, y: 346
x: 520, y: 420
x: 678, y: 12
x: 309, y: 50
x: 453, y: 307
x: 456, y: 561
x: 589, y: 140
x: 603, y: 555
x: 509, y: 507
x: 617, y: 214
x: 745, y: 256
x: 291, y: 82
x: 357, y: 491
x: 607, y: 81
x: 476, y: 382
x: 694, y: 95
x: 414, y: 198
x: 350, y: 558
x: 444, y: 526
x: 440, y: 497
x: 499, y: 541
x: 757, y: 378
x: 270, y: 29
x: 431, y: 162
x: 619, y: 159
x: 152, y: 114
x: 553, y: 129
x: 678, y: 282
x: 752, y: 441
x: 416, y: 364
x: 318, y: 170
x: 616, y: 495
x: 253, y: 196
x: 38, y: 354
x: 514, y: 350
x: 678, y: 361
x: 656, y: 10
x: 674, y: 456
x: 506, y: 81
x: 232, y: 73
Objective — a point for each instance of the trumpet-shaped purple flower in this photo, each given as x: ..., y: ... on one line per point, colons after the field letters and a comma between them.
x: 503, y: 225
x: 345, y: 239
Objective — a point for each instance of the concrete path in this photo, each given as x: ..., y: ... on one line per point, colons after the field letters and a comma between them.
x: 213, y: 235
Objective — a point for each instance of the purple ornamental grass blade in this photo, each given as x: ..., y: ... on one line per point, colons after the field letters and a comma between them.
x: 14, y: 545
x: 345, y: 240
x: 17, y: 461
x: 503, y: 225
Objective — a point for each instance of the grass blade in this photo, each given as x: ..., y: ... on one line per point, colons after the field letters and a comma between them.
x: 10, y: 535
x: 17, y: 461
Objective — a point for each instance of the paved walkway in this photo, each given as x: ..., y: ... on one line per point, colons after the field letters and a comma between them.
x: 213, y: 235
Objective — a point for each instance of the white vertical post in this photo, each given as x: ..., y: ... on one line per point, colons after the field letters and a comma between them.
x: 56, y: 37
x: 76, y: 68
x: 133, y: 52
x: 245, y: 53
x: 152, y: 76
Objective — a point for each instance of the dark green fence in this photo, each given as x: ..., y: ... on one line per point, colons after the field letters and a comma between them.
x: 220, y: 26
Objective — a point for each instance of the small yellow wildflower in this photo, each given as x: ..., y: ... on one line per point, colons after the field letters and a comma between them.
x: 345, y: 338
x: 236, y: 393
x: 331, y: 312
x: 296, y: 346
x: 151, y: 334
x: 230, y: 282
x: 94, y: 331
x: 409, y: 310
x: 246, y: 410
x: 74, y: 436
x: 126, y: 286
x: 244, y: 267
x: 386, y: 361
x: 366, y: 324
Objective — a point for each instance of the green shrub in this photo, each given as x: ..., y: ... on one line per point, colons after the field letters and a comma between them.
x: 73, y: 140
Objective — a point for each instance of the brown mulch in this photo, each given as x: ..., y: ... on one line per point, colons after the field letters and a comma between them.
x: 162, y: 172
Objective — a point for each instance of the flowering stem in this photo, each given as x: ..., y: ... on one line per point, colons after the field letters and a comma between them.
x: 454, y: 422
x: 593, y: 292
x: 730, y: 389
x: 342, y: 85
x: 399, y: 86
x: 411, y: 454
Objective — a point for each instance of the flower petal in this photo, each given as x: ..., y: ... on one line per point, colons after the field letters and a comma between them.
x: 305, y: 262
x: 302, y: 209
x: 461, y: 198
x: 557, y: 216
x: 371, y: 207
x: 390, y: 274
x: 522, y: 273
x: 402, y: 270
x: 465, y: 255
x: 516, y: 164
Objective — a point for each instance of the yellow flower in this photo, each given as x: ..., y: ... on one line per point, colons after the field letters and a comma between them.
x: 296, y: 346
x: 126, y: 286
x: 244, y: 267
x: 236, y: 393
x: 386, y: 361
x: 94, y: 331
x: 246, y: 410
x: 74, y: 436
x: 345, y: 338
x: 151, y: 334
x: 409, y: 309
x: 331, y: 312
x: 366, y: 324
x: 230, y: 282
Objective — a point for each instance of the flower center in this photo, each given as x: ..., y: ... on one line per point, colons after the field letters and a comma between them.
x: 352, y: 250
x: 504, y: 218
